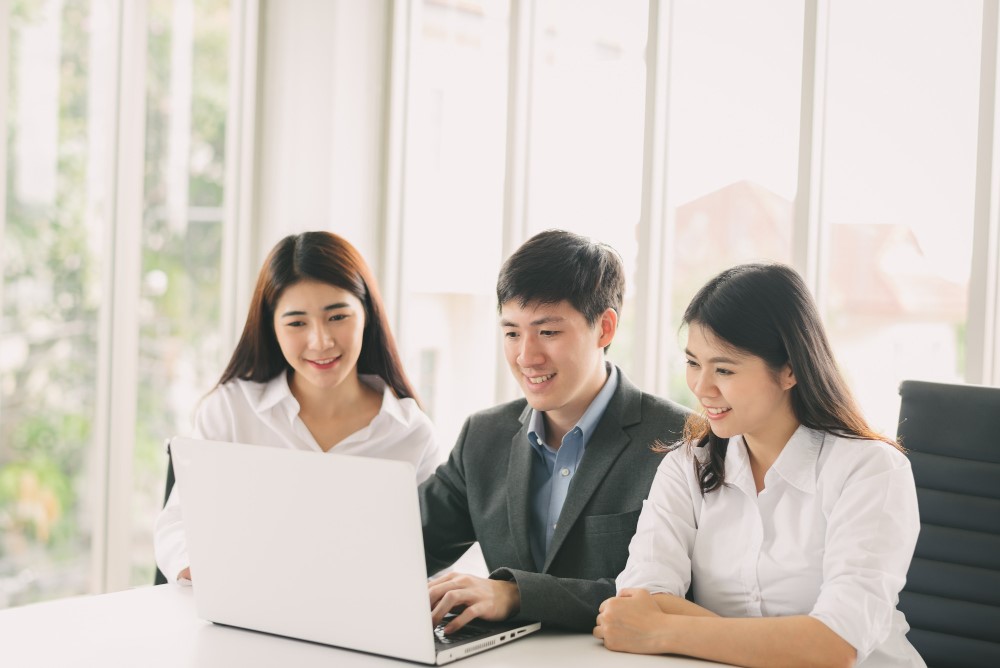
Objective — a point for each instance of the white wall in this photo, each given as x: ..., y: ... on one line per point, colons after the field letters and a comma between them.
x: 322, y: 100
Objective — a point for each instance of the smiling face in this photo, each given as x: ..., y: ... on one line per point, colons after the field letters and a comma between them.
x: 741, y: 394
x: 319, y: 329
x: 556, y: 356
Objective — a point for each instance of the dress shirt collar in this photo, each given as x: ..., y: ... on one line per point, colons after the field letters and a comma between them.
x: 796, y: 463
x: 277, y: 391
x: 587, y: 422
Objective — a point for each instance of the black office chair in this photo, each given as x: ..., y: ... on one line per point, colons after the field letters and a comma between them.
x: 160, y: 577
x: 952, y: 593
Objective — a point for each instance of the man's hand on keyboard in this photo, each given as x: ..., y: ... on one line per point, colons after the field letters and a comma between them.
x: 492, y: 600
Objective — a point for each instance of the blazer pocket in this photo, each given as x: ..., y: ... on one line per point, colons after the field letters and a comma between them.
x: 617, y: 523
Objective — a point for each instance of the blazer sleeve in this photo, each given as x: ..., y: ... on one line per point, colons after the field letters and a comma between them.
x: 444, y: 511
x: 566, y: 603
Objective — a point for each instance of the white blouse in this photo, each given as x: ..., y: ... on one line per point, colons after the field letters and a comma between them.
x: 243, y: 411
x: 831, y: 535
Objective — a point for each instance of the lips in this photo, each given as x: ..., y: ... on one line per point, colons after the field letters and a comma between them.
x: 325, y: 363
x: 538, y: 380
x: 716, y: 413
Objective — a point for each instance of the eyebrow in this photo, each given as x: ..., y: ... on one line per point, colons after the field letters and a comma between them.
x: 713, y: 360
x: 534, y: 323
x: 328, y: 307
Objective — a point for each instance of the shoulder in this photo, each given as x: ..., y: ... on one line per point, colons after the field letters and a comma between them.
x: 640, y: 406
x: 850, y: 460
x: 413, y: 418
x: 658, y: 406
x: 226, y: 408
x: 865, y: 454
x: 503, y: 414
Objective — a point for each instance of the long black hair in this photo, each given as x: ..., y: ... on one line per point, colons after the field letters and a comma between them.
x: 766, y: 310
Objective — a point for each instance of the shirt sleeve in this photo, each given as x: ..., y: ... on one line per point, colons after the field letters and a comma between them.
x: 871, y: 534
x: 425, y: 438
x: 660, y: 552
x: 213, y: 422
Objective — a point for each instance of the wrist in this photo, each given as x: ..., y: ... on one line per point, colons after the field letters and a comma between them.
x: 666, y: 639
x: 512, y: 596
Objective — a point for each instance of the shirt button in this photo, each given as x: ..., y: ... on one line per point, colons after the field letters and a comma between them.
x: 564, y: 472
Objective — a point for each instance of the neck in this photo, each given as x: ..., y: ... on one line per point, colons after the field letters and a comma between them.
x: 329, y: 401
x: 559, y: 421
x: 765, y: 445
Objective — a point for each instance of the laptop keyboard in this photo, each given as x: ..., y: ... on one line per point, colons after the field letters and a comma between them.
x: 470, y: 631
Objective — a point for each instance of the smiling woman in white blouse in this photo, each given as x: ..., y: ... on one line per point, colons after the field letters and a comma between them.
x: 316, y: 369
x: 791, y: 522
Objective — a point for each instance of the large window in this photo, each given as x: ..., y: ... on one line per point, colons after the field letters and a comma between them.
x: 732, y: 147
x: 453, y: 199
x: 697, y: 135
x: 586, y: 103
x: 898, y: 187
x: 181, y: 353
x: 53, y: 268
x: 71, y: 389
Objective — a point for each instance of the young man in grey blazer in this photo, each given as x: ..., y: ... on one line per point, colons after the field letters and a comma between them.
x: 550, y: 485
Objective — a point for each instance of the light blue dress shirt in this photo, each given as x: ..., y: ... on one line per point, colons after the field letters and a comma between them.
x: 552, y: 470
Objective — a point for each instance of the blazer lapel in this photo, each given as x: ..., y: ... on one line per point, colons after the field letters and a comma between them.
x: 518, y: 494
x: 603, y: 448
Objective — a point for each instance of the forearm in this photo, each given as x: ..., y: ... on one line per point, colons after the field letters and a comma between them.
x: 566, y: 603
x: 169, y: 544
x: 762, y: 641
x: 675, y: 605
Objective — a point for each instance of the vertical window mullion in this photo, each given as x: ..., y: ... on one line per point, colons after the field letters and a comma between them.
x: 652, y: 281
x: 114, y: 432
x: 239, y: 224
x: 390, y: 235
x: 982, y: 361
x: 515, y: 198
x: 808, y: 247
x: 4, y: 87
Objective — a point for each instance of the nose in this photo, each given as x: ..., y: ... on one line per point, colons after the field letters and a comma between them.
x: 320, y: 337
x: 530, y: 353
x: 702, y: 383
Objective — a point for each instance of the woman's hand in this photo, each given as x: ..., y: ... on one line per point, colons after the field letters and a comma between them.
x: 632, y: 622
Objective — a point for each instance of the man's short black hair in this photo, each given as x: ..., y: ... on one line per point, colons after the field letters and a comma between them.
x: 555, y: 266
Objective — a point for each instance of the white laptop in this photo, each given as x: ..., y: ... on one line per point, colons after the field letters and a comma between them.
x: 317, y: 547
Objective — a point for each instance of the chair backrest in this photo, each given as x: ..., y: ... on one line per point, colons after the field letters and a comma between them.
x: 160, y: 578
x: 952, y: 593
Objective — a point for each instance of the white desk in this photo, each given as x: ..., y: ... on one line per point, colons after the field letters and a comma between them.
x: 157, y: 626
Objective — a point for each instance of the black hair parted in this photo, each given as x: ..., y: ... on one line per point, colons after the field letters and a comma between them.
x: 555, y: 266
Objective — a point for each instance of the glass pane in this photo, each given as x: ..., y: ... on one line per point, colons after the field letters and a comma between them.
x: 898, y: 192
x: 588, y: 91
x: 453, y: 206
x: 735, y: 90
x: 50, y: 293
x: 181, y: 353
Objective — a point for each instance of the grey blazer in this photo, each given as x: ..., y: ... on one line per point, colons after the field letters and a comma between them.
x: 481, y: 493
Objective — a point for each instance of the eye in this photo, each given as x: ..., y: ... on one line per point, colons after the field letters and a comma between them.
x: 510, y: 335
x: 691, y: 363
x: 295, y: 323
x: 338, y: 316
x: 549, y: 333
x: 724, y: 372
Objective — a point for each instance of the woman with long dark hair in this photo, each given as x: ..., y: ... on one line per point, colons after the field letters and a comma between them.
x: 316, y: 369
x: 789, y: 519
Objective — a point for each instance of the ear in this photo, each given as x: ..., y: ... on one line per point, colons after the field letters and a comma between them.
x: 607, y: 324
x: 787, y: 377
